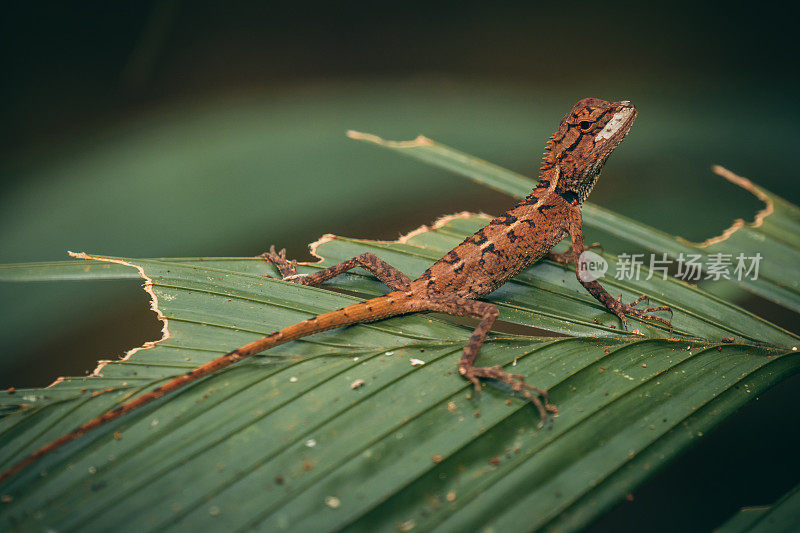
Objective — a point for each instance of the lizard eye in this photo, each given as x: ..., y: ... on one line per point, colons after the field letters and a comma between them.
x: 584, y: 125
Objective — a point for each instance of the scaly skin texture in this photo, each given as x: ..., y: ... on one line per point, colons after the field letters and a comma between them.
x: 573, y: 158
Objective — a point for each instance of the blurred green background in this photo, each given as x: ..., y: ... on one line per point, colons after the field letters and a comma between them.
x: 201, y: 128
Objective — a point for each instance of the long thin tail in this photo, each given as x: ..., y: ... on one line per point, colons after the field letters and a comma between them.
x: 392, y: 304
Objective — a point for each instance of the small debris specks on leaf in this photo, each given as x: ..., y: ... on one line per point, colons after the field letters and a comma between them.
x: 307, y: 465
x: 213, y: 510
x: 332, y: 501
x: 279, y: 480
x: 408, y: 525
x: 494, y: 461
x: 117, y: 435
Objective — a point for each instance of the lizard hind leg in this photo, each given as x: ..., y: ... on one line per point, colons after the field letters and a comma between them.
x: 392, y: 277
x: 487, y: 313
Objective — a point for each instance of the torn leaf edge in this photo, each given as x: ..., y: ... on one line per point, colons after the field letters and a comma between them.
x: 148, y: 287
x: 752, y: 188
x: 154, y: 304
x: 403, y: 239
x: 420, y: 140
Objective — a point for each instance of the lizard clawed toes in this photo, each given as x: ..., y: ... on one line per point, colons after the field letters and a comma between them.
x: 642, y: 298
x: 569, y: 257
x: 563, y: 258
x: 288, y: 269
x: 539, y: 398
x: 621, y: 309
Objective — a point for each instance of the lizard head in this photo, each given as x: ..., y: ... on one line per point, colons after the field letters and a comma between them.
x: 585, y: 138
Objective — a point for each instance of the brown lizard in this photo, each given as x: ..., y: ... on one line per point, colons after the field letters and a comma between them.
x: 573, y: 158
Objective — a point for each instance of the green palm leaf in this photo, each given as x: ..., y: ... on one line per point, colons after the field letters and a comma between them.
x: 289, y: 439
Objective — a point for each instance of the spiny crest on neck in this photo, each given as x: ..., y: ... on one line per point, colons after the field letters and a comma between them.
x: 586, y: 136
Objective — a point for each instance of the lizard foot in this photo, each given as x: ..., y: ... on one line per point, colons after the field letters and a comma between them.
x: 288, y: 269
x: 538, y: 397
x: 621, y: 309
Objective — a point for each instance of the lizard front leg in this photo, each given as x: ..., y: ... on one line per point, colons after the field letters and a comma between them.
x: 487, y: 313
x: 393, y: 278
x: 616, y: 306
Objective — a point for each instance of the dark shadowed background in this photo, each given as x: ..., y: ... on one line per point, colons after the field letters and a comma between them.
x: 200, y: 128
